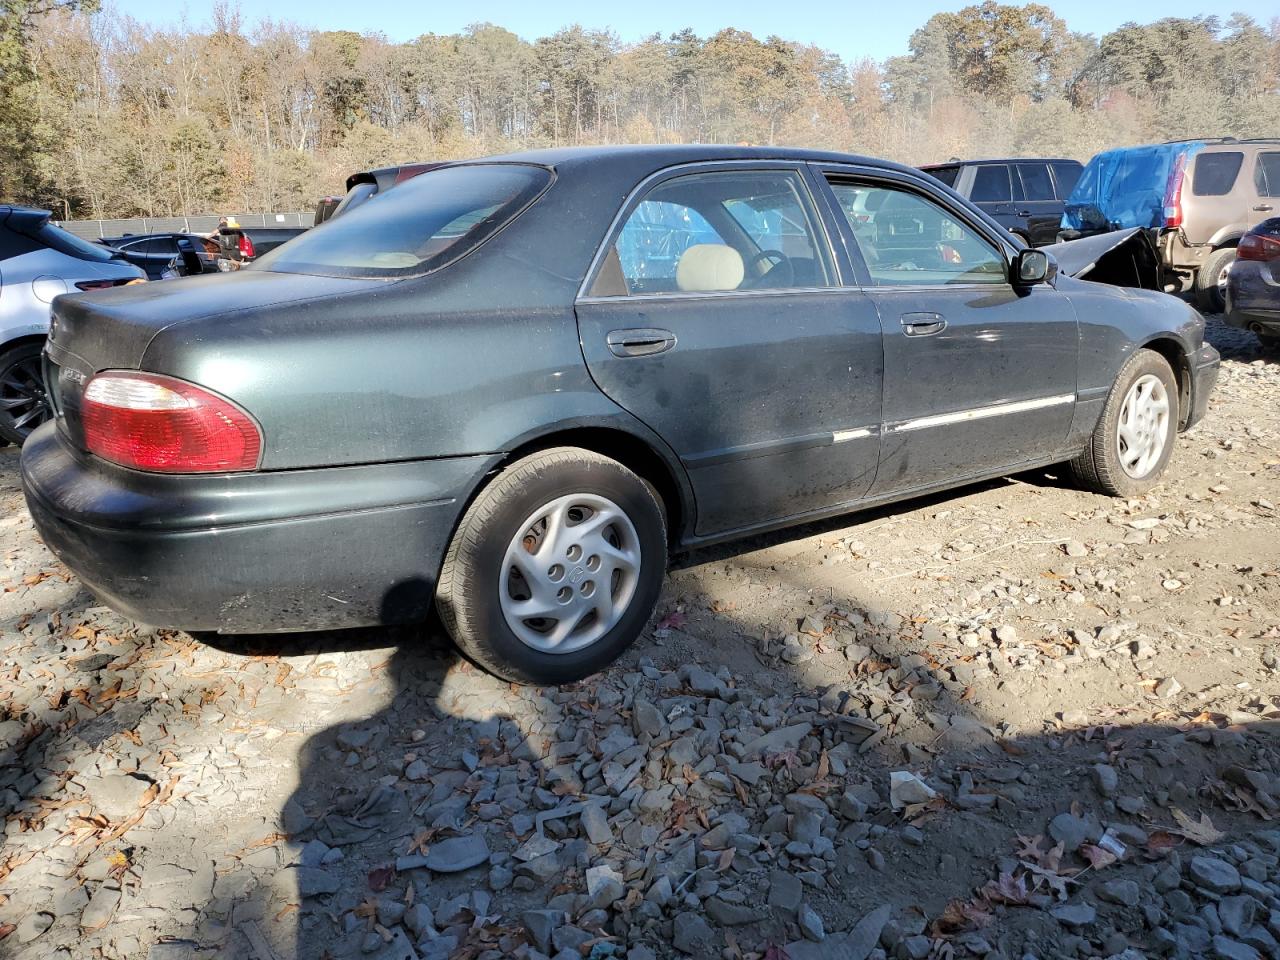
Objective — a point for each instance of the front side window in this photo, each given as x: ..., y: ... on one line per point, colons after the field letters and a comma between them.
x: 1215, y: 173
x: 1266, y: 174
x: 991, y: 184
x: 713, y: 232
x: 422, y: 225
x: 910, y: 241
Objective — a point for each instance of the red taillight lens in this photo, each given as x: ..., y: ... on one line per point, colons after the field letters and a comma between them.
x: 151, y: 422
x: 1173, y: 193
x: 246, y: 247
x: 1255, y: 247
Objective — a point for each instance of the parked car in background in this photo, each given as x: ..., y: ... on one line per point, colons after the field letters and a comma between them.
x: 324, y: 209
x: 154, y: 252
x: 241, y: 245
x: 564, y: 393
x: 365, y: 185
x: 1197, y: 197
x: 1253, y: 283
x: 40, y: 261
x: 1025, y: 196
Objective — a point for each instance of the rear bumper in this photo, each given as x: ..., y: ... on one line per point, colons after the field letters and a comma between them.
x: 1253, y: 295
x: 1204, y: 365
x: 255, y: 552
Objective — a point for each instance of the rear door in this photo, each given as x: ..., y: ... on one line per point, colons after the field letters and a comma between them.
x: 979, y: 375
x: 1040, y: 209
x: 993, y: 188
x: 1266, y: 186
x: 716, y: 314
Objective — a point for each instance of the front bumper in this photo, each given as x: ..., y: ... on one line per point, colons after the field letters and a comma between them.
x: 252, y: 552
x: 1204, y: 365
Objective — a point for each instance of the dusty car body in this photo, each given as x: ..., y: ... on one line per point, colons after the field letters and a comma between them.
x: 562, y: 365
x: 1253, y: 283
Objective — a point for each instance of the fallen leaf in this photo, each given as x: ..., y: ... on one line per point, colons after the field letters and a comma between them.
x: 726, y: 859
x: 380, y: 877
x: 1097, y: 857
x: 1204, y: 833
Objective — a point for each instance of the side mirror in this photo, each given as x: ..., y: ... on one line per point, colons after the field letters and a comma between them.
x: 189, y: 259
x: 1031, y: 267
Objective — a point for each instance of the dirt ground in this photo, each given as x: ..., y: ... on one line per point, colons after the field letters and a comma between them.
x: 1015, y: 720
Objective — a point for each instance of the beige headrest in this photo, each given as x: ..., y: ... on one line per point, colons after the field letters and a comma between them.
x: 709, y: 266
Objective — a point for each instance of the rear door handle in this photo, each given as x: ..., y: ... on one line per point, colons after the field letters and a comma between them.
x: 922, y: 324
x: 1263, y: 208
x: 640, y: 342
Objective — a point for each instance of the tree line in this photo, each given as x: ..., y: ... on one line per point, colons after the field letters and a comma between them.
x: 104, y: 116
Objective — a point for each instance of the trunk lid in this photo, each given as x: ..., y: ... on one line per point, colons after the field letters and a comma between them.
x: 111, y: 329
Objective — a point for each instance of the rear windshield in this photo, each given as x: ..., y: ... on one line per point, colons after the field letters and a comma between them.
x: 425, y: 223
x: 946, y: 174
x: 1215, y: 173
x: 70, y: 244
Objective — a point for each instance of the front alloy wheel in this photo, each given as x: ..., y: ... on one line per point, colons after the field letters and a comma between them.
x: 1144, y: 426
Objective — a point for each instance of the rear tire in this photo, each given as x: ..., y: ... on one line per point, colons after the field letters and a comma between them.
x: 516, y: 555
x: 1270, y: 342
x: 23, y: 401
x: 1210, y: 292
x: 1109, y: 464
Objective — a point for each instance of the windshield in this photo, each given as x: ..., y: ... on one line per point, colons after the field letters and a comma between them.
x: 425, y: 223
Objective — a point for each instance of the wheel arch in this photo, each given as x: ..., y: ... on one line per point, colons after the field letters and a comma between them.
x: 22, y: 339
x: 645, y: 455
x: 1176, y: 353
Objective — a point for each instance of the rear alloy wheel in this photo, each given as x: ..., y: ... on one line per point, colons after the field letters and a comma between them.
x: 1134, y: 438
x: 1211, y: 280
x: 24, y: 402
x: 555, y: 568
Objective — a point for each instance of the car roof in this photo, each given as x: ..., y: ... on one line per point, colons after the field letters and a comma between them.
x: 969, y: 163
x: 633, y: 158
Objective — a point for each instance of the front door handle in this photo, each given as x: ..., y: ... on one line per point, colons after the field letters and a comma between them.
x: 640, y: 342
x: 1264, y: 208
x: 922, y: 324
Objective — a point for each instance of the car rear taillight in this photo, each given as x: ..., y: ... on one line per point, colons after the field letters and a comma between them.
x: 151, y: 422
x: 246, y: 247
x: 1173, y: 193
x: 1253, y: 246
x: 104, y: 284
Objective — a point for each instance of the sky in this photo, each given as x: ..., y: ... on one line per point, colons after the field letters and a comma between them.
x: 852, y: 30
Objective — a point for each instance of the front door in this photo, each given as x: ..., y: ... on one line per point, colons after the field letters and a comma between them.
x: 979, y: 374
x: 716, y: 315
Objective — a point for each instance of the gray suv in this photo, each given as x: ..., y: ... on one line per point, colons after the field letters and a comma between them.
x: 1196, y: 197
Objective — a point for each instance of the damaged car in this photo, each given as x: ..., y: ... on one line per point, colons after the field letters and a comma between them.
x: 512, y: 387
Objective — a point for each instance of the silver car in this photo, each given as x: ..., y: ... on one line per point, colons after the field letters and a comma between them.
x: 39, y: 261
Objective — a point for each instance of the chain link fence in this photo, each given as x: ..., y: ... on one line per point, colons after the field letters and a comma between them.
x: 94, y: 229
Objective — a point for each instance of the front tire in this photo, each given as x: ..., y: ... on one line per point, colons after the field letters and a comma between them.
x: 555, y: 568
x: 1133, y: 441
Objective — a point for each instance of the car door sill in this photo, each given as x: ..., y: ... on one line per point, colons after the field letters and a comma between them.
x: 864, y: 503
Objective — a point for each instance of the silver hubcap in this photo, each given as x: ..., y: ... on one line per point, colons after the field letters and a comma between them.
x: 570, y: 573
x: 1144, y: 426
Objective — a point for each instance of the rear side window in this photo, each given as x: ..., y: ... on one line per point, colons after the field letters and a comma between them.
x: 428, y: 222
x: 946, y: 174
x: 71, y: 245
x: 1066, y: 174
x: 991, y: 184
x: 1215, y: 173
x: 1036, y: 182
x: 1266, y: 174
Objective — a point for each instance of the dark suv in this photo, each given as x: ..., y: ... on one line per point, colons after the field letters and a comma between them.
x: 1025, y: 196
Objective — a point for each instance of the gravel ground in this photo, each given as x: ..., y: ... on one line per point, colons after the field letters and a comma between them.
x: 1016, y: 721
